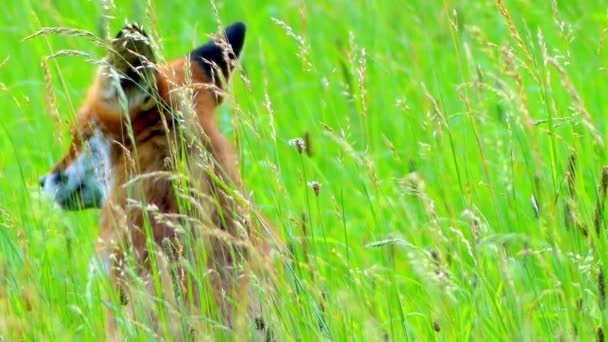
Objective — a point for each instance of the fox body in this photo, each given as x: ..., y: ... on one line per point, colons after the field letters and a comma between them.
x: 139, y: 122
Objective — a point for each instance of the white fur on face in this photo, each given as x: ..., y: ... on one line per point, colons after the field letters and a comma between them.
x: 86, y: 181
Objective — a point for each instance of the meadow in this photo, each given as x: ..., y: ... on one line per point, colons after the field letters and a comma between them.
x: 452, y: 187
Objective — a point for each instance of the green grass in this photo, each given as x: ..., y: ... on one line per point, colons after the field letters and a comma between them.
x: 431, y: 127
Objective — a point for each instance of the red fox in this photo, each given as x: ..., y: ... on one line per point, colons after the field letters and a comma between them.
x: 139, y: 123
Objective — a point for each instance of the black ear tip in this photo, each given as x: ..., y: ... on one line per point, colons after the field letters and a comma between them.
x: 235, y: 34
x: 237, y: 28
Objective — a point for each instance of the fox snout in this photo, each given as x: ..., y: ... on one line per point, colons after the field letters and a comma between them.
x: 58, y: 176
x: 84, y: 181
x: 72, y: 192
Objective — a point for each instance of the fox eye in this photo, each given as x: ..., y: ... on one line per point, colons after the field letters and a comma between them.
x: 61, y: 177
x: 148, y: 103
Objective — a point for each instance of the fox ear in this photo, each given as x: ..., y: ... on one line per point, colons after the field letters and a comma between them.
x: 132, y: 54
x: 221, y: 55
x: 131, y: 60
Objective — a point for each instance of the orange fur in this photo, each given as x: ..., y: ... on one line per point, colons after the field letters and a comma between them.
x: 152, y: 152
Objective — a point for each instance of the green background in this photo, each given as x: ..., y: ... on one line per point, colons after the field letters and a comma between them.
x: 460, y: 177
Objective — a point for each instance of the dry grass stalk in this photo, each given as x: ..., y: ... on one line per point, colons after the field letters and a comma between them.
x: 513, y: 31
x: 304, y: 49
x: 571, y: 174
x: 342, y: 141
x: 579, y: 105
x: 268, y: 106
x: 413, y: 183
x: 51, y: 99
x: 152, y: 19
x: 565, y: 29
x: 71, y: 32
x: 572, y: 217
x: 571, y: 212
x: 361, y: 76
x: 512, y: 72
x: 601, y: 200
x: 549, y: 89
x: 107, y: 7
x: 438, y: 116
x: 391, y: 147
x: 371, y: 170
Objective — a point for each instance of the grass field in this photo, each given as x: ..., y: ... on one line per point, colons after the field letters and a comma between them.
x: 460, y: 147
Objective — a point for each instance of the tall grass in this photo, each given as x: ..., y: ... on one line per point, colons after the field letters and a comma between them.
x: 454, y: 186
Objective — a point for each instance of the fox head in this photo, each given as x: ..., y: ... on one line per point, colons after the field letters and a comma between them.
x: 131, y: 100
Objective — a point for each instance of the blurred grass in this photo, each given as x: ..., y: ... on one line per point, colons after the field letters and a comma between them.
x: 424, y: 227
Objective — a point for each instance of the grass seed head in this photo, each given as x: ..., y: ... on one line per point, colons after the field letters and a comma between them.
x: 315, y: 186
x: 298, y: 144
